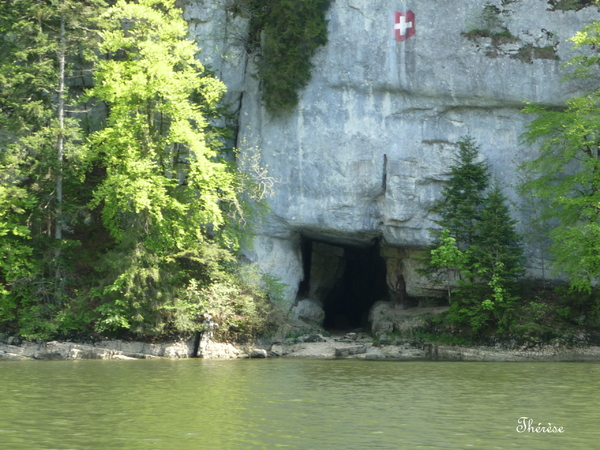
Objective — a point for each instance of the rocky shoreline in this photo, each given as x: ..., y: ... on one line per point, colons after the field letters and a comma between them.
x: 313, y: 346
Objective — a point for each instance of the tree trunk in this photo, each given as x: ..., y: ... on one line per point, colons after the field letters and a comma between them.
x: 61, y: 138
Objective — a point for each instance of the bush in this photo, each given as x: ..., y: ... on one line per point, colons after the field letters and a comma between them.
x: 289, y: 33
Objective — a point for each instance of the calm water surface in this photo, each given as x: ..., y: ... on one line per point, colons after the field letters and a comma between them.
x: 298, y: 404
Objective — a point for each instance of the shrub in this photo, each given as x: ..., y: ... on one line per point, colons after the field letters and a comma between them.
x: 289, y: 32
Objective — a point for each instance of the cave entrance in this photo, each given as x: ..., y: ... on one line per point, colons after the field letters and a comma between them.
x: 346, y: 280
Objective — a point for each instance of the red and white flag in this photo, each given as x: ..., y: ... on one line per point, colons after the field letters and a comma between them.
x: 404, y: 25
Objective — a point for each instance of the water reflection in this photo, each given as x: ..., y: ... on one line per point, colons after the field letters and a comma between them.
x: 295, y: 404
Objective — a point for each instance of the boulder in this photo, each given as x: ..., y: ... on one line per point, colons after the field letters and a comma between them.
x: 343, y: 352
x: 309, y: 312
x: 258, y: 353
x: 278, y: 350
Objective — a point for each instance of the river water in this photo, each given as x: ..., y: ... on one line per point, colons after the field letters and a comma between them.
x: 297, y: 404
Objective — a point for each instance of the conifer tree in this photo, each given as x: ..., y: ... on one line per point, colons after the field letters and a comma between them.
x: 459, y: 209
x: 497, y: 258
x: 41, y: 141
x: 497, y: 242
x: 487, y: 254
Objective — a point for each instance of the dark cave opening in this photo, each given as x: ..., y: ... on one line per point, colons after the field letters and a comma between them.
x: 346, y: 280
x: 360, y: 286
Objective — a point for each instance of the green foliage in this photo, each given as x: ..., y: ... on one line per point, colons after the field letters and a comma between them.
x: 585, y: 65
x: 162, y: 164
x: 497, y: 247
x: 566, y: 175
x: 570, y: 5
x: 34, y: 273
x: 486, y: 22
x: 152, y: 208
x: 112, y: 316
x: 478, y: 241
x: 15, y: 237
x: 289, y: 32
x: 237, y: 306
x: 548, y: 315
x: 459, y: 209
x: 169, y: 198
x: 447, y: 256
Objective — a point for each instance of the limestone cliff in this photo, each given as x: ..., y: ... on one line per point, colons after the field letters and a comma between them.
x: 362, y: 158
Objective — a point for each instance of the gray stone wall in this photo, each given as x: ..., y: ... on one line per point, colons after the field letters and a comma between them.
x: 367, y: 150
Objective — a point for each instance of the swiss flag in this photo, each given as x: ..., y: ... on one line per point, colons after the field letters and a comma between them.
x: 404, y: 25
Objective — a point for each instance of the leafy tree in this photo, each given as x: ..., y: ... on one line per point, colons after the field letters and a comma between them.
x: 15, y: 247
x: 41, y: 149
x: 447, y: 256
x: 566, y: 174
x: 153, y: 197
x: 169, y: 196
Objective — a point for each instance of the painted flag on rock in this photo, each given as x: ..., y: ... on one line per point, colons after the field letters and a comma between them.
x: 404, y: 25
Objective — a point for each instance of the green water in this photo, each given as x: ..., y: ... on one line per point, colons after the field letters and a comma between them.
x: 298, y: 404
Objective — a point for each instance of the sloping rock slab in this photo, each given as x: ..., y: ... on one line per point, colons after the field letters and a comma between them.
x: 343, y: 352
x: 109, y: 349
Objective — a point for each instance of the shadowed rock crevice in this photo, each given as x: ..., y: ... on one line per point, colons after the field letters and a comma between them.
x: 341, y: 284
x: 362, y: 283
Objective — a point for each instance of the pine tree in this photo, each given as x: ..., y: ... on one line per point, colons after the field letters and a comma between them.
x: 497, y: 242
x: 41, y: 144
x: 459, y: 208
x: 478, y: 241
x: 498, y: 258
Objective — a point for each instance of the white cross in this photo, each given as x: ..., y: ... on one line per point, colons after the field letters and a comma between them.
x: 403, y: 25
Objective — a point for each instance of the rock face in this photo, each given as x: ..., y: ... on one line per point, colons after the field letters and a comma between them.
x: 108, y: 349
x: 123, y: 350
x: 365, y: 154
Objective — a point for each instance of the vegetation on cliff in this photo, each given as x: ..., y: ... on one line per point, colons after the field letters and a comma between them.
x: 122, y: 211
x: 560, y: 190
x: 286, y: 33
x: 132, y: 224
x: 566, y: 175
x: 478, y: 250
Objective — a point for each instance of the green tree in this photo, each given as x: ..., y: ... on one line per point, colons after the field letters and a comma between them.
x: 566, y: 174
x: 40, y: 65
x: 497, y: 258
x: 459, y: 208
x: 497, y: 241
x: 15, y: 248
x: 447, y: 256
x: 479, y: 242
x: 169, y: 197
x: 458, y: 211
